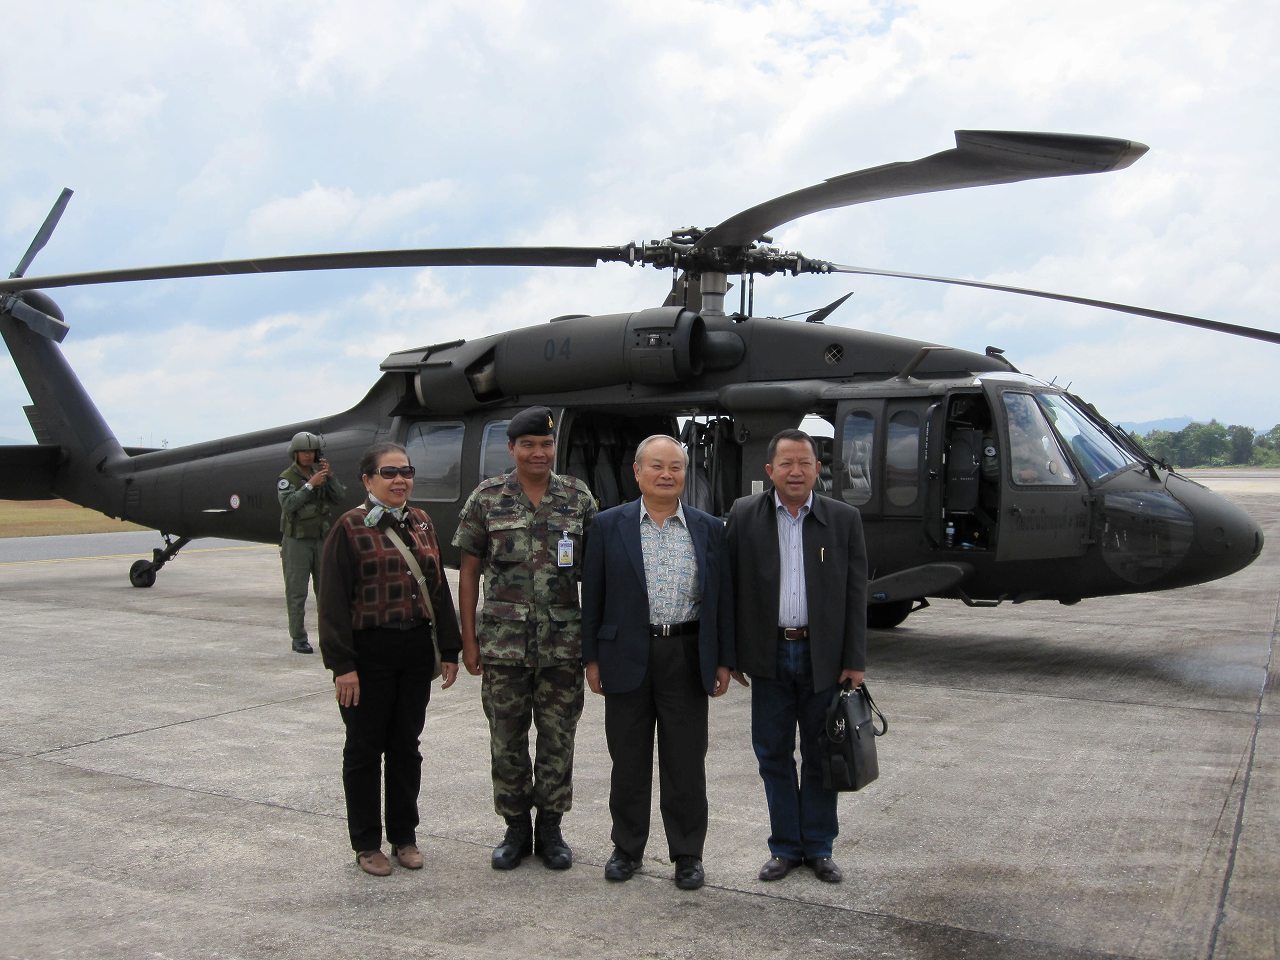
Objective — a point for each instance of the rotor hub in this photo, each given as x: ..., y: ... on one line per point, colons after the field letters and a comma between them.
x: 680, y: 251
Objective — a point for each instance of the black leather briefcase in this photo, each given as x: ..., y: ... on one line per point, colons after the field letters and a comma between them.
x: 849, y: 740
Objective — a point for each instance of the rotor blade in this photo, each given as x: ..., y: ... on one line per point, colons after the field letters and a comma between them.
x: 1254, y: 333
x: 44, y: 233
x: 37, y: 320
x: 360, y: 260
x: 980, y: 158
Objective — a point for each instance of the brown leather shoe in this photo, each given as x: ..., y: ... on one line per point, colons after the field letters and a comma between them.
x: 408, y: 856
x: 374, y: 862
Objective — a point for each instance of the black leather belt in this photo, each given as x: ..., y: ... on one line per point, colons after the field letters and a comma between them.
x: 793, y: 633
x: 405, y: 625
x: 673, y: 629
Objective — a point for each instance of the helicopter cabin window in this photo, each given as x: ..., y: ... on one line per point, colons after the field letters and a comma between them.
x: 1096, y: 454
x: 1035, y: 458
x: 820, y: 430
x: 495, y: 455
x: 435, y: 449
x: 855, y: 481
x: 902, y: 459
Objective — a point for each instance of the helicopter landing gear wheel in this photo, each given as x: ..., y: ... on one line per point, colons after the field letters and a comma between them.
x: 142, y: 574
x: 886, y: 616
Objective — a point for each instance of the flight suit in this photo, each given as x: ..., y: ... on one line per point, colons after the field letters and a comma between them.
x: 305, y: 518
x: 530, y: 634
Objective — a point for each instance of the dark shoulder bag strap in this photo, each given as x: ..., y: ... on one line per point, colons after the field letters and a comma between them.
x: 416, y: 570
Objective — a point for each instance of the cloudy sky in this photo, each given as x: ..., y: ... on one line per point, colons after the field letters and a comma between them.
x: 233, y: 129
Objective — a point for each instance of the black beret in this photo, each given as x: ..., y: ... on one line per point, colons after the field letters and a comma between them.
x: 533, y: 422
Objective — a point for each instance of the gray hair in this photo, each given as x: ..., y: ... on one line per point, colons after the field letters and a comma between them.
x: 660, y: 436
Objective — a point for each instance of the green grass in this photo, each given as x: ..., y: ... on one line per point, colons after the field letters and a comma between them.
x: 47, y: 518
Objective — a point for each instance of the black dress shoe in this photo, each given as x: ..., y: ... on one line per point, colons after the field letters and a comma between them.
x: 777, y: 867
x: 689, y: 873
x: 825, y: 869
x: 302, y: 646
x: 620, y: 867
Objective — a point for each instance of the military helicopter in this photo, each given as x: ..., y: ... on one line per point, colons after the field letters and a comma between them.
x: 975, y: 481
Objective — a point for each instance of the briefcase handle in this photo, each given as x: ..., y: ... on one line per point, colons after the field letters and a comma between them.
x: 862, y: 691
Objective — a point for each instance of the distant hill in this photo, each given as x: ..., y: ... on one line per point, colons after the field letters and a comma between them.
x: 1172, y: 424
x: 11, y: 440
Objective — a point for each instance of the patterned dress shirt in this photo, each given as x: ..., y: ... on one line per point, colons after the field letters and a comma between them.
x: 670, y: 568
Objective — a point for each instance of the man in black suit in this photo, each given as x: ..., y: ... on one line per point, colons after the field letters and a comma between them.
x: 657, y: 638
x: 799, y: 569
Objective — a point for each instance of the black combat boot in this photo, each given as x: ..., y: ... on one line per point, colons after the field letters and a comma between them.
x: 548, y: 842
x: 516, y: 845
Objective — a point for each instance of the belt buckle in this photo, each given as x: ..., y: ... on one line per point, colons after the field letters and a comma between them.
x: 664, y: 629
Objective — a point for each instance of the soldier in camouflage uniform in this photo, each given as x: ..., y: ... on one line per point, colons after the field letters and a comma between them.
x: 307, y: 492
x: 525, y: 532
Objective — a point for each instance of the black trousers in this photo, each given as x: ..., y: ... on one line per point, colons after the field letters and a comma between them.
x: 395, y: 668
x: 672, y: 699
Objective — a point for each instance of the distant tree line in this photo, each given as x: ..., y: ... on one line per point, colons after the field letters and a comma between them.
x: 1213, y: 445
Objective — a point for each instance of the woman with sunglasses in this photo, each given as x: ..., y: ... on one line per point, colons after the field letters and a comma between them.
x: 385, y: 638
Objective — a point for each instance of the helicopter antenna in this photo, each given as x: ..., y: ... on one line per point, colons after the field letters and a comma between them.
x: 917, y: 360
x: 819, y: 315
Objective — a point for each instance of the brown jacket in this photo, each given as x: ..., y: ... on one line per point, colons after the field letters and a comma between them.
x: 364, y: 583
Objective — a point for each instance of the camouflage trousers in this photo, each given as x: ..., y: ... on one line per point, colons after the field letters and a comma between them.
x: 550, y: 697
x: 300, y: 558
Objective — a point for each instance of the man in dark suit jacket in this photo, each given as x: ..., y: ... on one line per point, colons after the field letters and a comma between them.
x: 657, y: 638
x: 800, y: 580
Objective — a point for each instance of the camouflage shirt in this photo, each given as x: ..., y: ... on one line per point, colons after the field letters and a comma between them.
x: 531, y: 612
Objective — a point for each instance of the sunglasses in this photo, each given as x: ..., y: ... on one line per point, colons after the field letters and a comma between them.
x: 390, y: 473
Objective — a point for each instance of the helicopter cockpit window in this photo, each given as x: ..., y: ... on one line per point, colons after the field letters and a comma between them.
x: 902, y: 459
x: 1095, y: 453
x: 1035, y: 459
x: 495, y: 455
x: 859, y: 433
x: 435, y: 449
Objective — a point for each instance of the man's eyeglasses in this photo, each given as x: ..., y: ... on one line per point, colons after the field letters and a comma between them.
x: 390, y: 473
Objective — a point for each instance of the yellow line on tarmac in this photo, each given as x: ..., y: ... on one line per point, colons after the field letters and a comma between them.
x: 126, y: 556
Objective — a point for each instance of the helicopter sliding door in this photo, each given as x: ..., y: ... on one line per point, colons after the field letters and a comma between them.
x: 877, y: 465
x: 1044, y: 505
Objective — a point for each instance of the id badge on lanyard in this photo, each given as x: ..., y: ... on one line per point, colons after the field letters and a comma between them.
x: 564, y: 552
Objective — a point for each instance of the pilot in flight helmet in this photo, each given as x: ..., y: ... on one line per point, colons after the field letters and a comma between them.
x: 305, y: 441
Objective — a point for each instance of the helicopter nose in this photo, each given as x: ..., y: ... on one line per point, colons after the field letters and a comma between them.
x: 1226, y: 538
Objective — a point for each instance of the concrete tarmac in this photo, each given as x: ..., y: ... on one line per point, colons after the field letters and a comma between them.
x: 1090, y: 781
